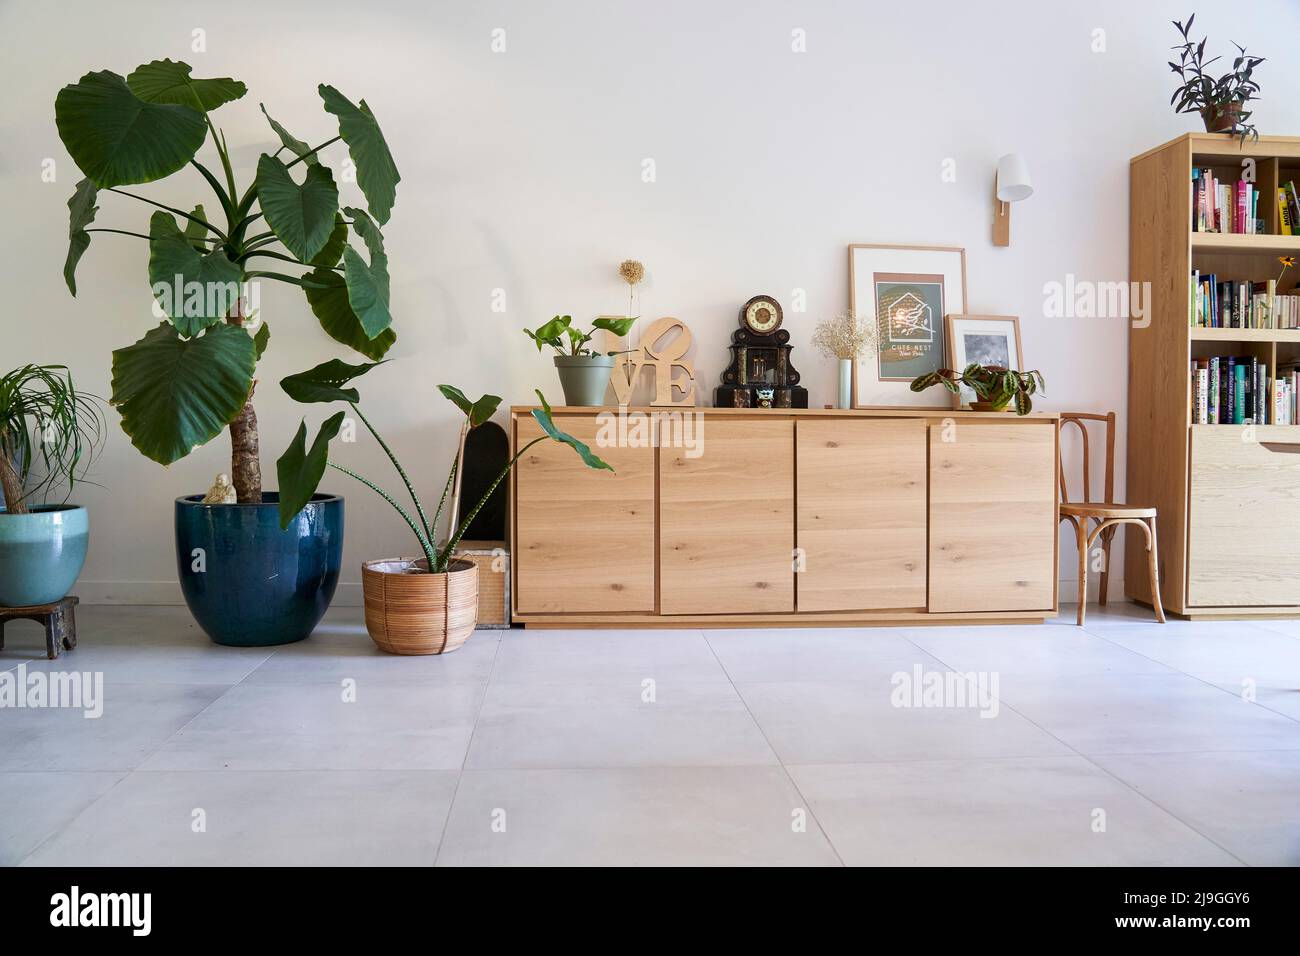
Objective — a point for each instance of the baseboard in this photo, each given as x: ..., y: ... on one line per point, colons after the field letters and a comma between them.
x: 167, y: 593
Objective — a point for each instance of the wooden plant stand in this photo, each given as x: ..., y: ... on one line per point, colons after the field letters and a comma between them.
x: 59, y: 618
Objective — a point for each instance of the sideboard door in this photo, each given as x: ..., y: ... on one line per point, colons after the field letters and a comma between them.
x: 584, y: 538
x: 861, y: 514
x: 993, y: 522
x: 726, y: 520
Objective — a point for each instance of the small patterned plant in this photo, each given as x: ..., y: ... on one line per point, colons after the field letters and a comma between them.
x: 996, y: 386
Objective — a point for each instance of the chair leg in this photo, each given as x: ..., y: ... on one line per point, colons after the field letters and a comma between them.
x: 1106, y: 537
x: 1154, y: 564
x: 1081, y: 530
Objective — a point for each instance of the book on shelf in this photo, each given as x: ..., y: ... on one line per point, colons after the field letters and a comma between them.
x: 1219, y: 206
x: 1237, y: 390
x: 1240, y: 304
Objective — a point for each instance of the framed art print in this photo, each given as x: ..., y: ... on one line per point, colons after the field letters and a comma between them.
x: 986, y: 339
x: 904, y: 291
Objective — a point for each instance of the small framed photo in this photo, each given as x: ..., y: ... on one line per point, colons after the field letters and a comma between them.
x: 985, y: 339
x: 904, y: 291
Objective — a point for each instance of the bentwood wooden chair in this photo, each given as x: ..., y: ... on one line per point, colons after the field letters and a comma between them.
x: 1107, y: 513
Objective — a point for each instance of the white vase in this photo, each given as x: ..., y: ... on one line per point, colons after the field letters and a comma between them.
x: 846, y: 383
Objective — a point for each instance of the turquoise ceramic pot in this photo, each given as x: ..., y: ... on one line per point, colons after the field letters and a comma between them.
x: 41, y: 553
x: 248, y: 583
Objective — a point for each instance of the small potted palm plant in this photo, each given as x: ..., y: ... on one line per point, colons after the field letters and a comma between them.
x: 584, y: 372
x: 413, y: 605
x: 1220, y: 100
x: 995, y: 386
x: 48, y: 435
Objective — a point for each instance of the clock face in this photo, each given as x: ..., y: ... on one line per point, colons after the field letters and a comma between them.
x: 762, y: 315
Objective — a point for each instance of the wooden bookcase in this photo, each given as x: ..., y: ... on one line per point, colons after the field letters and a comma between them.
x: 1228, y: 497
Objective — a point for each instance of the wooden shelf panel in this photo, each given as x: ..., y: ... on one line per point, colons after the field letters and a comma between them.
x: 1200, y: 334
x: 1238, y: 242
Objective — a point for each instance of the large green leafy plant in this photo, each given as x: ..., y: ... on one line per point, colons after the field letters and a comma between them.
x: 192, y: 376
x: 300, y: 468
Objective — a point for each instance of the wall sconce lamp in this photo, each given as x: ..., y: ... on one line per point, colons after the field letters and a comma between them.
x: 1011, y: 184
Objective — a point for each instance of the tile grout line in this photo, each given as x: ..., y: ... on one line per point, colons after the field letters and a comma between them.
x: 779, y: 762
x: 1107, y: 772
x: 460, y: 774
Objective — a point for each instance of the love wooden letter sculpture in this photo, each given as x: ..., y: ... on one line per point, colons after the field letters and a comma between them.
x: 663, y: 352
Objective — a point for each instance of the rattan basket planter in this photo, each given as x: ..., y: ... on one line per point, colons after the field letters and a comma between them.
x: 409, y: 611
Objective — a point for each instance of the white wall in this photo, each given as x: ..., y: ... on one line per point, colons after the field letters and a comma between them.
x: 522, y: 171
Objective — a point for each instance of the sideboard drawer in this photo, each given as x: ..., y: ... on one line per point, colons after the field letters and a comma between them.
x: 1244, y: 517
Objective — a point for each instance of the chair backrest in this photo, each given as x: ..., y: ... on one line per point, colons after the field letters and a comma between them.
x: 1080, y: 420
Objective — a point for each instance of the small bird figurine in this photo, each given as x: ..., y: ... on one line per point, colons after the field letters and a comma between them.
x: 221, y: 493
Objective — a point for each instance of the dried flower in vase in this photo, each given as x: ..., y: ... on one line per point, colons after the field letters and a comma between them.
x: 844, y: 337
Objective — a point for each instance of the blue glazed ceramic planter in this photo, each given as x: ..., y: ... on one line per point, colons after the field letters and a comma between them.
x: 41, y: 553
x: 248, y: 583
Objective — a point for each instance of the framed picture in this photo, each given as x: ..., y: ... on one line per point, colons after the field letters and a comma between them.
x: 986, y: 339
x: 905, y: 291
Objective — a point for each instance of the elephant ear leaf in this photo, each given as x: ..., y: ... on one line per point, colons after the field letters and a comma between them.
x: 477, y: 412
x: 169, y: 81
x: 116, y: 138
x: 175, y: 394
x: 377, y: 174
x: 195, y: 232
x: 294, y: 145
x: 325, y: 382
x: 302, y: 217
x: 333, y: 250
x: 543, y: 417
x: 300, y: 469
x: 367, y: 282
x: 195, y: 289
x: 327, y: 294
x: 81, y: 213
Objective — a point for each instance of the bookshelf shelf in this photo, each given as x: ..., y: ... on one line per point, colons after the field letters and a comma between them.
x: 1253, y: 245
x: 1229, y: 509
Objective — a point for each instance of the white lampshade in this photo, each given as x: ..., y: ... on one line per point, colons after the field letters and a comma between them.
x: 1013, y: 179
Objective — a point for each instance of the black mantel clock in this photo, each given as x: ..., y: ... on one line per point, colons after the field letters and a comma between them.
x: 760, y: 374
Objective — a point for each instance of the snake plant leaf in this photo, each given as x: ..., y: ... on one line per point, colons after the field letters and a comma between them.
x: 81, y: 213
x: 176, y: 394
x: 377, y: 174
x: 261, y: 338
x: 477, y: 412
x: 302, y: 217
x: 116, y: 138
x: 291, y: 142
x: 325, y: 382
x: 169, y: 81
x: 300, y: 469
x: 195, y: 289
x: 327, y: 294
x: 367, y: 282
x: 543, y: 417
x: 333, y: 251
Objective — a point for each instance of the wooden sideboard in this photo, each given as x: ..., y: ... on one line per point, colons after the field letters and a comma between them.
x: 765, y: 517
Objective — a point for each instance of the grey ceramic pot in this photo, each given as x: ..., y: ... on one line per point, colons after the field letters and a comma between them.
x: 41, y: 553
x: 584, y: 378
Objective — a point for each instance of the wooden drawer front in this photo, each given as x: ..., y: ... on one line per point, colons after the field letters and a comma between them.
x: 861, y: 514
x: 584, y: 538
x: 726, y: 520
x: 1243, y: 517
x: 992, y: 517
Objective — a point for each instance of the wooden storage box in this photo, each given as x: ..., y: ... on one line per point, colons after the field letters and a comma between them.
x: 493, y: 560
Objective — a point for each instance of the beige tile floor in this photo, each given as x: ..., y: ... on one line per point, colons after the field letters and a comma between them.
x: 1123, y: 743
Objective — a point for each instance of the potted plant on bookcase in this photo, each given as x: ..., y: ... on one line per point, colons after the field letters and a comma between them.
x: 45, y: 420
x: 248, y: 578
x: 1221, y: 100
x: 413, y: 605
x: 997, y: 387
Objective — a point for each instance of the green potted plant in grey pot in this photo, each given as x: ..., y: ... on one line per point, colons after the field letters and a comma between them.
x: 48, y: 434
x: 584, y: 372
x: 248, y: 579
x: 413, y: 605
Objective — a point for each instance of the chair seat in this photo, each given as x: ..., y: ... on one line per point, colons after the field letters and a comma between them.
x: 1105, y: 509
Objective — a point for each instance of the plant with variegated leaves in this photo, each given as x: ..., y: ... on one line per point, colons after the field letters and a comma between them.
x: 192, y: 376
x: 993, y: 384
